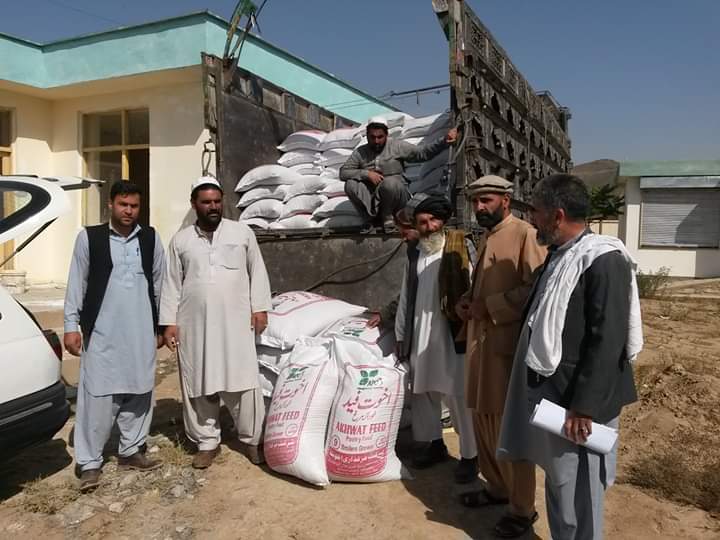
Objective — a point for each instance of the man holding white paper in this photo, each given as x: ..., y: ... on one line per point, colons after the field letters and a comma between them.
x: 581, y: 331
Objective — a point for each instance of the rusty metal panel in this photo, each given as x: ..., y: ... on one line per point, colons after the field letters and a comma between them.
x: 510, y: 130
x: 247, y: 118
x: 299, y: 263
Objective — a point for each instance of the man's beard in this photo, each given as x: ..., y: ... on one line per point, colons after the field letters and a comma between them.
x: 488, y: 220
x: 210, y: 220
x: 432, y: 243
x: 546, y: 237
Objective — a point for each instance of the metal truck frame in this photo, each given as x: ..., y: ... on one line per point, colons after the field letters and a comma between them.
x: 506, y: 129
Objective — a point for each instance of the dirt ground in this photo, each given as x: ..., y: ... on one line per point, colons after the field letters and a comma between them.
x: 669, y: 485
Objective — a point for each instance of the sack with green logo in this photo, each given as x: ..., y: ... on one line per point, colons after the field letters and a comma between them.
x: 378, y: 338
x: 297, y: 418
x: 365, y: 415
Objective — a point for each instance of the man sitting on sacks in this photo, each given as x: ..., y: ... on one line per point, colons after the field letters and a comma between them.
x: 426, y: 326
x: 374, y: 172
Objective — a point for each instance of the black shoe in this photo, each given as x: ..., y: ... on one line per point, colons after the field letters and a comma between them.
x: 466, y: 471
x: 430, y: 454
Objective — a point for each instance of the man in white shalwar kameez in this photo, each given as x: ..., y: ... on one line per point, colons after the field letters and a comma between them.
x: 215, y: 298
x: 424, y: 335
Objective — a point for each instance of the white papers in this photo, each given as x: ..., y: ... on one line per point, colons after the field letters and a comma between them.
x: 551, y: 417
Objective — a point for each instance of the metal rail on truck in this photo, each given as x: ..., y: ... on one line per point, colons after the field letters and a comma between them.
x: 508, y: 128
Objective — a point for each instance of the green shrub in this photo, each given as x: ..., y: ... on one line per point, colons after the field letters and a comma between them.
x: 653, y: 285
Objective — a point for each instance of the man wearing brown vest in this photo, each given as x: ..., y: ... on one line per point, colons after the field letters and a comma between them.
x: 508, y: 255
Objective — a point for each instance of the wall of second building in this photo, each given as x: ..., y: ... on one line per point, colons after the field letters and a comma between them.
x: 177, y: 135
x: 31, y: 132
x: 682, y: 262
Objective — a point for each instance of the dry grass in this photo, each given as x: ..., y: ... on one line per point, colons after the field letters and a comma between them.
x: 672, y: 436
x: 674, y: 311
x: 174, y: 452
x: 653, y: 285
x: 39, y: 497
x: 684, y: 469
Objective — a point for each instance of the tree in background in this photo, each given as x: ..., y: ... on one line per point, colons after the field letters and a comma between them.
x: 605, y: 203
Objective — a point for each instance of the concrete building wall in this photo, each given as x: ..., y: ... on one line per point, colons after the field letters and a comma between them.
x: 31, y: 133
x: 682, y: 262
x: 608, y: 227
x: 177, y: 135
x: 154, y: 66
x: 32, y: 154
x: 174, y: 44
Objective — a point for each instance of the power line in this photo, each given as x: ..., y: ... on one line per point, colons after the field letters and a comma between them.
x: 417, y: 91
x: 58, y: 3
x: 391, y: 95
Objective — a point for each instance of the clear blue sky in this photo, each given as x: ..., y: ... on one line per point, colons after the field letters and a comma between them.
x: 642, y: 77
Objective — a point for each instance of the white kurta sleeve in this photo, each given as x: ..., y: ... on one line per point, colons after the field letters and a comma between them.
x: 158, y: 269
x: 402, y: 307
x: 77, y: 283
x: 171, y: 286
x: 260, y: 295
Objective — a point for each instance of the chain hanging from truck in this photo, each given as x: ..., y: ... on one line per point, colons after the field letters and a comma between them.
x: 206, y: 157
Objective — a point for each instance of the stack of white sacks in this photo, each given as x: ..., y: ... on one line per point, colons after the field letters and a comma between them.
x: 428, y: 176
x: 303, y: 189
x: 334, y: 392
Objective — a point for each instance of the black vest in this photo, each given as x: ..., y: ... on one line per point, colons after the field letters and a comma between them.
x: 413, y: 254
x: 101, y: 267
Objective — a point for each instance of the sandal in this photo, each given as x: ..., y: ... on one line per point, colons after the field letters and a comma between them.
x: 513, y: 526
x: 473, y: 499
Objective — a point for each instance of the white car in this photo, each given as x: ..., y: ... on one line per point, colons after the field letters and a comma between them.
x: 33, y: 406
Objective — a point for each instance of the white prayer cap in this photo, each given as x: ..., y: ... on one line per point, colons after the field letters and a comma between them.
x: 377, y: 121
x: 205, y: 181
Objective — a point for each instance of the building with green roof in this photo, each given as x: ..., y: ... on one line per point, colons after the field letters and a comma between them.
x: 129, y: 104
x: 672, y: 216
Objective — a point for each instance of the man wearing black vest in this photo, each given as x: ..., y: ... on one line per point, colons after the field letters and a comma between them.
x: 111, y: 320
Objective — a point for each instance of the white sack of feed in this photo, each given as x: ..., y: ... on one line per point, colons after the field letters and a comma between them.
x: 365, y: 416
x: 266, y: 208
x: 302, y: 140
x: 298, y: 221
x: 305, y: 186
x: 260, y: 193
x: 307, y: 169
x: 302, y: 204
x: 258, y: 223
x: 298, y: 314
x: 340, y: 138
x: 296, y: 422
x: 267, y: 175
x: 336, y: 156
x: 335, y: 188
x: 298, y: 157
x: 336, y: 206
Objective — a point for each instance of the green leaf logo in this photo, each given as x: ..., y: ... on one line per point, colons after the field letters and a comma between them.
x: 296, y: 373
